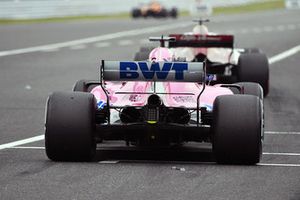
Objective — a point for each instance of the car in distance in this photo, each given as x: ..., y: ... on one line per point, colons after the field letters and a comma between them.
x: 154, y: 9
x: 228, y: 63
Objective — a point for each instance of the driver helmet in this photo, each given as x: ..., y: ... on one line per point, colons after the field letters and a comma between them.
x: 200, y: 29
x: 161, y: 54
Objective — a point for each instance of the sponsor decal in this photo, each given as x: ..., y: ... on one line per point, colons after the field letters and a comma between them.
x: 183, y: 99
x: 200, y: 38
x: 101, y: 104
x: 211, y: 77
x: 135, y: 97
x: 130, y: 70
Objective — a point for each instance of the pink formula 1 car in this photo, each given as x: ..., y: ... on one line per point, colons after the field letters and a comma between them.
x: 157, y: 102
x: 228, y: 63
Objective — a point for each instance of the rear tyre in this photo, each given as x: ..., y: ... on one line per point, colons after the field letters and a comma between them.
x: 80, y: 86
x: 141, y: 56
x: 163, y: 13
x: 252, y: 50
x: 135, y: 13
x: 173, y: 13
x: 237, y: 129
x: 70, y: 126
x: 251, y: 89
x: 254, y: 67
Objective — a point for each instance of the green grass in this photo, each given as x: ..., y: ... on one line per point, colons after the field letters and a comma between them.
x: 63, y: 19
x: 268, y: 5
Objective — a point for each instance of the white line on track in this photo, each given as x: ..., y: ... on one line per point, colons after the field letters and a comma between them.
x: 281, y: 154
x: 257, y: 30
x: 125, y: 42
x: 78, y: 47
x: 268, y: 28
x: 263, y: 29
x: 25, y: 147
x: 281, y: 27
x: 281, y: 133
x: 278, y: 165
x: 284, y: 54
x: 21, y: 142
x: 213, y: 163
x: 100, y: 38
x: 244, y: 31
x: 102, y: 44
x: 51, y: 50
x: 291, y: 27
x: 109, y: 162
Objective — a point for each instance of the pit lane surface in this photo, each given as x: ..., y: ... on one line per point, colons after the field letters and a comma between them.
x: 26, y: 79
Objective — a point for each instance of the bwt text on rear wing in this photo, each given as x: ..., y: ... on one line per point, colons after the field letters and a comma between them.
x: 205, y: 41
x: 152, y: 71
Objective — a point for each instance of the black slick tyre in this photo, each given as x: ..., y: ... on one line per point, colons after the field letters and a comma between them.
x: 252, y: 50
x: 173, y: 13
x: 135, y: 13
x: 80, y: 86
x: 254, y: 67
x: 237, y: 129
x: 251, y: 89
x: 70, y: 126
x: 163, y: 13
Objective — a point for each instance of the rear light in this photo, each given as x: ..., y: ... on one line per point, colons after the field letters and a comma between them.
x: 152, y: 113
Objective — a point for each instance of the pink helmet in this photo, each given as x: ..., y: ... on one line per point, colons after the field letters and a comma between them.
x: 161, y: 54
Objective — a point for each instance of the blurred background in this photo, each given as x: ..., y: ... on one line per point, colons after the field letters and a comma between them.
x: 30, y: 9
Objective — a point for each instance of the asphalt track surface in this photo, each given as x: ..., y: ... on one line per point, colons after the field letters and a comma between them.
x: 28, y: 76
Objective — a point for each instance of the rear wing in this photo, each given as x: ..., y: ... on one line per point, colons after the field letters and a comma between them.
x: 152, y: 71
x: 205, y: 41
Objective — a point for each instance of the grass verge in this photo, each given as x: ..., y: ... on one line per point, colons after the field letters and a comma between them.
x: 253, y: 7
x: 63, y: 19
